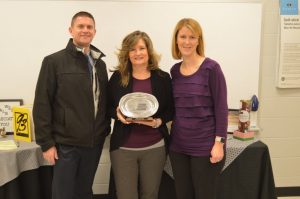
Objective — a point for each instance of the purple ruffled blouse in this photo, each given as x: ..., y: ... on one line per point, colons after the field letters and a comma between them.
x: 201, y: 109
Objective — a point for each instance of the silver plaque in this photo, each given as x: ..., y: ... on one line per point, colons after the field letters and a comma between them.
x: 138, y: 105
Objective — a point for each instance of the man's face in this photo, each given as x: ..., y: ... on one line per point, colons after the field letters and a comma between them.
x: 83, y: 31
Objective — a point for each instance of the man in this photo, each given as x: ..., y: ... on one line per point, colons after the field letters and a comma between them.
x: 69, y: 111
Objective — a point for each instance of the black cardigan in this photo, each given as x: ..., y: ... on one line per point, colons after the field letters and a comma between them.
x: 161, y: 89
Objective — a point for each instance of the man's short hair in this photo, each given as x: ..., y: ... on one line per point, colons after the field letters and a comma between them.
x: 82, y: 14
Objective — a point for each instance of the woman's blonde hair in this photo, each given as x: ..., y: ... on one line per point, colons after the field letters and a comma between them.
x: 195, y: 27
x: 125, y: 65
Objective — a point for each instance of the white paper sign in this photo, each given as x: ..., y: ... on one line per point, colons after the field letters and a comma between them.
x: 289, y: 58
x: 6, y: 115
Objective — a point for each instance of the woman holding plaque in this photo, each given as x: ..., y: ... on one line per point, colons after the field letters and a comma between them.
x: 138, y: 146
x: 199, y: 127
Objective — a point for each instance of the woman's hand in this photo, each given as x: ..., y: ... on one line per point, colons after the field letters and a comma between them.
x: 154, y: 123
x: 217, y: 152
x: 121, y: 117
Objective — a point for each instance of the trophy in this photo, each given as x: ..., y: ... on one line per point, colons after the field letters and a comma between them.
x: 138, y: 106
x: 2, y: 132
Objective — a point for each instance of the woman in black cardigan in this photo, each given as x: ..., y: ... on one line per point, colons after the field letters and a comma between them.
x: 138, y: 148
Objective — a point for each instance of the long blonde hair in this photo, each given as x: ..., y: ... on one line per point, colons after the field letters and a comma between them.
x: 125, y: 65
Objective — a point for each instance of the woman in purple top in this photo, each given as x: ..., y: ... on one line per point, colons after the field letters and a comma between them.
x: 138, y: 148
x: 199, y: 128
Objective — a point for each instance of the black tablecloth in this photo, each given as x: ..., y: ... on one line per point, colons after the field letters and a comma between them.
x: 250, y: 176
x: 31, y: 184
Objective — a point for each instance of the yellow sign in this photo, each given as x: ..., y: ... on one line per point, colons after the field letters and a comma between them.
x: 23, y: 128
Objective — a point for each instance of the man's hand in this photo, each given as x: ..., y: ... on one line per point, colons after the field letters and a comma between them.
x: 51, y: 155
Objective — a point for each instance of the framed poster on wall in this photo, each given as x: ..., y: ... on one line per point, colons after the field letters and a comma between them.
x: 6, y: 114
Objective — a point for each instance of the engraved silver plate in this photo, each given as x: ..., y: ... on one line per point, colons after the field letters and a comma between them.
x: 138, y: 105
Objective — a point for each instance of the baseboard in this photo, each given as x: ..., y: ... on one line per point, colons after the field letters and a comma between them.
x: 280, y: 192
x: 287, y: 191
x: 101, y: 196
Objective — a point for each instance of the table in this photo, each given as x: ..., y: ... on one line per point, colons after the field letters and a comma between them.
x: 247, y: 173
x: 24, y: 173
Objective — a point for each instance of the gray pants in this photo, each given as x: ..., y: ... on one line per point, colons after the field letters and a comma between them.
x: 137, y: 174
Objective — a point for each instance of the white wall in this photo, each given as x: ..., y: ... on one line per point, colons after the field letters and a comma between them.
x: 279, y: 113
x: 34, y: 29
